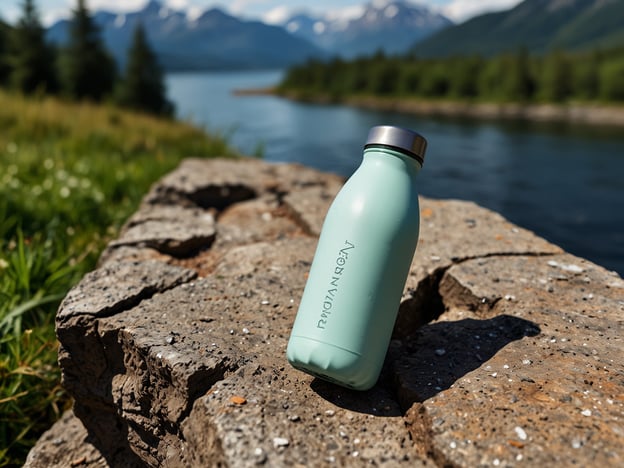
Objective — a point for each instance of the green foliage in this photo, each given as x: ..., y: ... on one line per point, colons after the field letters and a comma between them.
x: 556, y: 84
x: 142, y: 86
x: 511, y: 77
x: 611, y: 81
x: 70, y: 174
x: 5, y: 30
x: 585, y: 79
x: 31, y: 60
x: 518, y: 82
x: 464, y: 76
x: 435, y: 81
x: 87, y: 70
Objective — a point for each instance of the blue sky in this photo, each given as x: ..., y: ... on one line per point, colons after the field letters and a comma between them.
x: 270, y: 10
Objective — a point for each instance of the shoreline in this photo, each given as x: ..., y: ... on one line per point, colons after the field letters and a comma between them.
x: 585, y: 114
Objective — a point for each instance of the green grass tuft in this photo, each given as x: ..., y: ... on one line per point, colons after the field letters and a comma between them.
x: 70, y: 175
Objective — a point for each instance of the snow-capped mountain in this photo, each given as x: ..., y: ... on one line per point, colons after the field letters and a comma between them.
x: 211, y: 40
x: 392, y: 26
x: 216, y: 40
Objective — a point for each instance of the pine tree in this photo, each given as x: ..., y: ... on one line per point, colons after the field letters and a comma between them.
x: 556, y: 83
x: 87, y: 69
x: 142, y: 86
x: 4, y: 66
x: 30, y: 59
x: 517, y: 81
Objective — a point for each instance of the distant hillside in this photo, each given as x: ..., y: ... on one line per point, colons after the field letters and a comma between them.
x: 214, y: 40
x: 537, y: 25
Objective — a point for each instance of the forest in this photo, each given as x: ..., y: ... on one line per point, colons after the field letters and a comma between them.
x: 559, y: 77
x: 82, y: 69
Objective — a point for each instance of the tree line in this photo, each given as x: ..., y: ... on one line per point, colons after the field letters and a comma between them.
x: 83, y: 68
x: 511, y: 77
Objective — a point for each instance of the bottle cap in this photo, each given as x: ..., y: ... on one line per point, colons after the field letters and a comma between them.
x: 397, y: 138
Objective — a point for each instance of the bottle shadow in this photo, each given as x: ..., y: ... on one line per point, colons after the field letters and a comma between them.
x: 428, y: 362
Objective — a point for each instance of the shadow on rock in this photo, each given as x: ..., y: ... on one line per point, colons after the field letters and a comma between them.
x: 438, y: 354
x: 379, y: 400
x: 428, y: 362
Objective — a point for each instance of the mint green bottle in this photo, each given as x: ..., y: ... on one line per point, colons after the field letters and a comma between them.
x: 350, y: 302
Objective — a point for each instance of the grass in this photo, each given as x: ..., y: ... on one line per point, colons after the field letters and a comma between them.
x: 70, y: 174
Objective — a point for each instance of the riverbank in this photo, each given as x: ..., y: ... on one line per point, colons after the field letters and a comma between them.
x: 584, y: 114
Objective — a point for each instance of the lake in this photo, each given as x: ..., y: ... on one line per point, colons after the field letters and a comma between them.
x: 566, y: 183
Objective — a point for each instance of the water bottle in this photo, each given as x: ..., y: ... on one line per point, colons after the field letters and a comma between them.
x: 350, y: 302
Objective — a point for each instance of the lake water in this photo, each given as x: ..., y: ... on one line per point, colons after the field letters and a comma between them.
x: 563, y: 182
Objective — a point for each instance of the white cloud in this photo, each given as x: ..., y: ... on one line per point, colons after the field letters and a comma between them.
x: 193, y: 12
x: 319, y: 27
x: 178, y: 4
x: 50, y: 16
x: 244, y: 7
x: 281, y: 13
x: 277, y: 15
x: 461, y: 10
x: 115, y: 5
x: 346, y: 13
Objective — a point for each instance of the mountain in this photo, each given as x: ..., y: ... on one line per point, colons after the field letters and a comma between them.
x: 537, y: 25
x: 391, y: 26
x: 214, y: 40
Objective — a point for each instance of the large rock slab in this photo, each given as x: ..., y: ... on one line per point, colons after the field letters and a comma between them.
x: 507, y: 350
x: 66, y: 444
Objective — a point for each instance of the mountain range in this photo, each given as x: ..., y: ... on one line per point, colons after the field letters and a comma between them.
x: 213, y: 40
x: 392, y: 27
x: 217, y: 40
x: 538, y: 26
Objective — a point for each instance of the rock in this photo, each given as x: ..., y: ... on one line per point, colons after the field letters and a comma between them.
x: 170, y: 230
x: 506, y: 349
x: 66, y: 444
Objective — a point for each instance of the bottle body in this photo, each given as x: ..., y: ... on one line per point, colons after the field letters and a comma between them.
x: 351, y: 299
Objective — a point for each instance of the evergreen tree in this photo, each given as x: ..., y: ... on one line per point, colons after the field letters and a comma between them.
x: 517, y: 81
x: 556, y: 82
x: 143, y: 86
x: 87, y: 69
x: 464, y: 76
x: 585, y: 76
x: 385, y: 74
x: 31, y: 60
x: 4, y: 66
x: 612, y: 80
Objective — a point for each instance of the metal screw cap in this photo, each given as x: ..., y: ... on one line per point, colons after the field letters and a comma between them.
x: 401, y: 139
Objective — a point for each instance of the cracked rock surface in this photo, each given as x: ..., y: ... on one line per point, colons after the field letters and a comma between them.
x: 507, y: 350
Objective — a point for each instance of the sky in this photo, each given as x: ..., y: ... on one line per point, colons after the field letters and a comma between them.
x: 268, y: 10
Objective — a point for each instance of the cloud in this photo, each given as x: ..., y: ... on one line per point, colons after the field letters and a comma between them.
x: 346, y: 13
x: 461, y: 10
x: 245, y: 7
x: 116, y: 5
x: 280, y: 14
x: 277, y: 15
